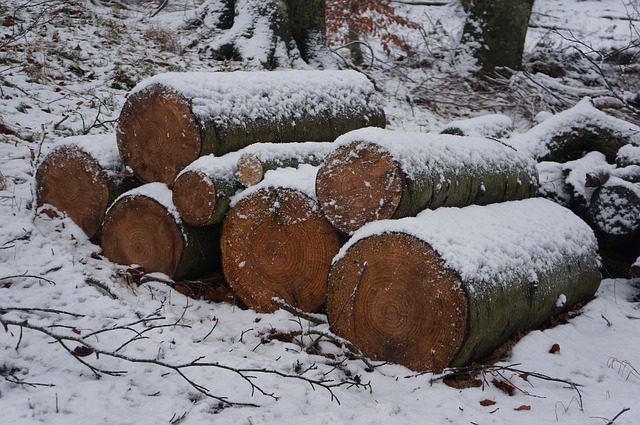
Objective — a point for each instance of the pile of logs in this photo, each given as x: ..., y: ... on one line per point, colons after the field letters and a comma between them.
x: 428, y: 250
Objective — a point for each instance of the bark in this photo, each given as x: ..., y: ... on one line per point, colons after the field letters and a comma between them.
x: 308, y: 29
x: 142, y: 228
x: 74, y: 182
x: 276, y: 243
x: 166, y: 125
x: 364, y: 181
x: 406, y: 297
x: 495, y: 31
x: 254, y: 163
x: 576, y: 140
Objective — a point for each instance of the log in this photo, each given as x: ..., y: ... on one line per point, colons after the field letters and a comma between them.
x: 142, y: 227
x: 449, y: 286
x: 81, y: 176
x: 376, y: 174
x: 203, y: 190
x: 258, y: 158
x: 171, y: 119
x: 570, y: 134
x: 491, y: 125
x: 276, y: 243
x: 628, y: 155
x: 615, y: 211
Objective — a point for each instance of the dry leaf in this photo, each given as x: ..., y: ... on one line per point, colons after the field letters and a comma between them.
x: 555, y: 349
x: 523, y: 407
x: 487, y: 402
x: 505, y: 387
x: 82, y: 351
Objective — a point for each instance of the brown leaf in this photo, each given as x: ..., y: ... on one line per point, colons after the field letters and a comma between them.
x: 505, y: 387
x: 82, y: 351
x: 487, y: 402
x: 523, y: 407
x: 555, y: 349
x: 75, y: 331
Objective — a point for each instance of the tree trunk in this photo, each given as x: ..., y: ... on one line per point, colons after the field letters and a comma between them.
x: 309, y: 30
x: 276, y: 243
x: 259, y: 158
x: 377, y: 174
x: 172, y: 119
x: 143, y: 228
x: 449, y: 286
x: 355, y: 48
x: 81, y: 178
x: 495, y: 31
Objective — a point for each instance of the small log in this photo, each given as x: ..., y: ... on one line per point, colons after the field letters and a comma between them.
x: 570, y: 134
x: 491, y: 125
x: 376, y: 174
x: 258, y: 158
x: 202, y: 191
x: 142, y: 227
x: 81, y: 177
x: 276, y: 243
x: 449, y: 286
x: 171, y: 119
x: 615, y: 211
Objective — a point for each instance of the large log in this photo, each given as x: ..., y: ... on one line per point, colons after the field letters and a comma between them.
x: 142, y: 227
x: 276, y: 243
x: 449, y: 286
x: 570, y: 134
x: 81, y: 176
x: 171, y: 119
x: 376, y: 174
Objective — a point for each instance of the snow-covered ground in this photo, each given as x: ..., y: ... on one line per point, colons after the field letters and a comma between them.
x: 71, y: 74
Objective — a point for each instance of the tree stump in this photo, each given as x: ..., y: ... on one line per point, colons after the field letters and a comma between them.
x: 82, y: 177
x: 142, y: 227
x: 276, y: 243
x: 376, y: 174
x: 171, y: 119
x: 449, y: 286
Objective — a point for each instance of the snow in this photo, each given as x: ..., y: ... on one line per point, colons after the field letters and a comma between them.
x: 240, y: 97
x: 441, y: 152
x: 489, y: 125
x: 537, y: 234
x: 43, y: 100
x: 158, y: 192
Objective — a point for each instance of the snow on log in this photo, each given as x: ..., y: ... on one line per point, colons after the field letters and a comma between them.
x: 258, y: 158
x: 628, y: 155
x: 449, y: 286
x: 203, y: 190
x: 276, y: 242
x: 142, y: 227
x: 376, y: 174
x: 490, y: 125
x: 81, y: 176
x: 615, y: 211
x: 171, y: 119
x: 572, y: 133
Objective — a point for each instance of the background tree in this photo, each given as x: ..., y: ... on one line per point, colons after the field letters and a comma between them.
x: 495, y: 32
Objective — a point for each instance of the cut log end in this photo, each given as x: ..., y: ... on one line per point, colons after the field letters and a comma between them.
x: 138, y: 230
x: 158, y: 134
x: 194, y: 195
x: 359, y: 183
x: 276, y: 244
x: 249, y: 170
x: 72, y: 181
x: 392, y: 296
